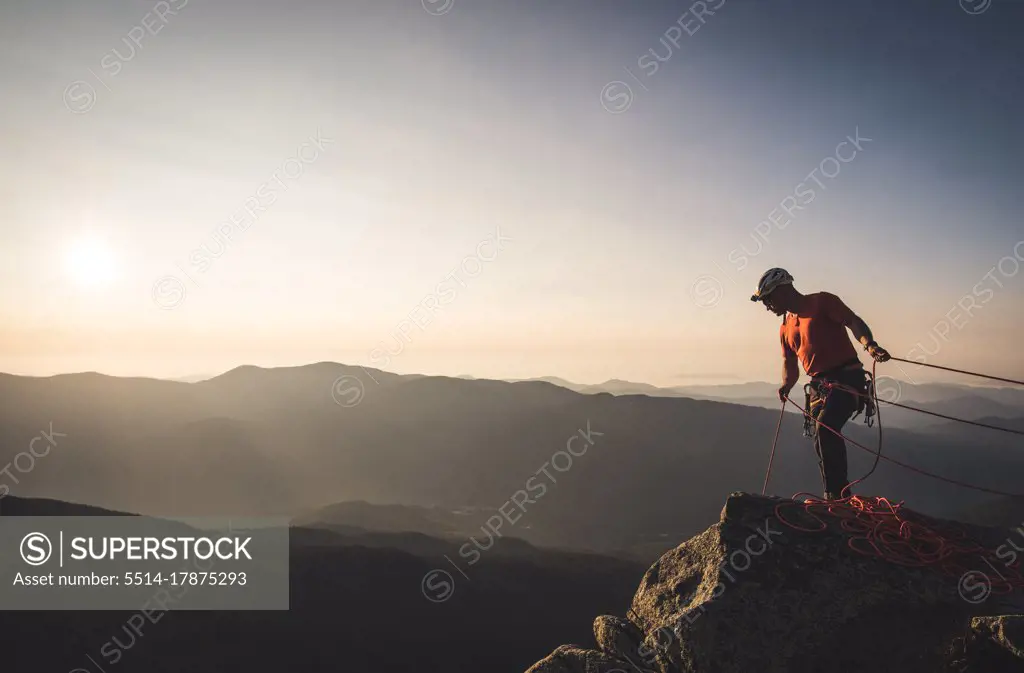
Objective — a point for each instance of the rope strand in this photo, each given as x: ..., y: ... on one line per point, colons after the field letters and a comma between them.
x: 954, y: 418
x: 771, y: 460
x: 878, y: 414
x: 909, y: 467
x: 925, y: 411
x: 958, y: 371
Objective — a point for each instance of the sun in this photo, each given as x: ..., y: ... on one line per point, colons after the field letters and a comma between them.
x: 89, y: 263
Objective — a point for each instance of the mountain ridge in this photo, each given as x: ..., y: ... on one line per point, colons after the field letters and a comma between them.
x: 284, y: 441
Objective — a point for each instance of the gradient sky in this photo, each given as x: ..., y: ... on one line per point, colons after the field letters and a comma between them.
x: 626, y: 227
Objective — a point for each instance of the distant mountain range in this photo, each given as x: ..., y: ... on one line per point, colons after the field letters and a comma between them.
x: 968, y: 402
x: 292, y: 440
x: 962, y: 401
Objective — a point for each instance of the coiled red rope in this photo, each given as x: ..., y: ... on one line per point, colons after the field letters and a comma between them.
x: 879, y: 528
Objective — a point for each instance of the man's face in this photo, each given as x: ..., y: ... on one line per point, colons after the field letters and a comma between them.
x: 770, y: 306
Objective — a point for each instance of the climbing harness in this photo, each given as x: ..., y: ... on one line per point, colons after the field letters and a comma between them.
x: 867, y: 400
x: 818, y: 390
x: 812, y: 405
x: 808, y: 413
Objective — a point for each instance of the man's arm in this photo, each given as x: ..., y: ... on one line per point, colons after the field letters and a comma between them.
x: 790, y: 369
x: 860, y: 329
x: 842, y: 314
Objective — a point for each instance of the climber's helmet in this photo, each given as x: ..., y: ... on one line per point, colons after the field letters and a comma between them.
x: 770, y: 280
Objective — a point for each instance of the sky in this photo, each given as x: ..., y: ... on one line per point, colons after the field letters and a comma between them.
x: 580, y: 189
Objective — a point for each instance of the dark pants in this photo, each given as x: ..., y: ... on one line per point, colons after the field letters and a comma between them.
x: 834, y: 407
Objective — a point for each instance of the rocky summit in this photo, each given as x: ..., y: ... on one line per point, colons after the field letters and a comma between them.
x: 780, y: 586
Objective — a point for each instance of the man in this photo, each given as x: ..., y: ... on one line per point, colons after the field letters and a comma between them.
x: 813, y: 332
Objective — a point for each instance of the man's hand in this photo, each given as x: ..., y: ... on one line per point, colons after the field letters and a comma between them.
x: 784, y: 391
x: 877, y: 352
